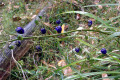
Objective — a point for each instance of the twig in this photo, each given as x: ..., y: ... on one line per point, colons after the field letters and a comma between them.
x: 18, y: 64
x: 18, y: 52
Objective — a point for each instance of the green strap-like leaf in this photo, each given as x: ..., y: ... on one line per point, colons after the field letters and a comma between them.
x: 108, y: 38
x: 106, y: 60
x: 89, y: 15
x: 90, y: 74
x: 102, y: 5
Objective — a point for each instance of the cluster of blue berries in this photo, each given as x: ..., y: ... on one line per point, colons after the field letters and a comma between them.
x: 58, y: 28
x: 89, y: 23
x: 103, y: 50
x: 20, y: 30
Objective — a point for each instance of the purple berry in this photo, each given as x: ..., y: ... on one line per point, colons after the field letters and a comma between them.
x: 20, y: 30
x: 89, y: 23
x: 43, y: 30
x: 18, y: 43
x: 58, y: 29
x: 77, y: 49
x: 58, y: 21
x: 38, y: 48
x: 103, y: 51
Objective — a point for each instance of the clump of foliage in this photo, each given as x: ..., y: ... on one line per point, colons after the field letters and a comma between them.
x: 90, y: 45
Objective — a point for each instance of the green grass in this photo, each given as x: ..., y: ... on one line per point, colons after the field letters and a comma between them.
x: 104, y: 33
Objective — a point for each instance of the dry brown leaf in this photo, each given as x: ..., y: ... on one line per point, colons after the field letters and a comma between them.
x: 56, y: 3
x: 71, y: 47
x: 66, y: 27
x: 26, y: 1
x: 37, y: 11
x: 81, y: 0
x: 67, y: 71
x: 61, y: 63
x: 16, y: 18
x: 92, y: 20
x: 93, y: 41
x: 48, y: 24
x: 1, y: 4
x: 100, y: 6
x: 77, y: 42
x: 51, y: 50
x: 26, y: 7
x: 62, y: 43
x: 97, y: 2
x: 78, y: 66
x: 45, y: 63
x: 49, y: 78
x: 118, y: 8
x: 78, y: 17
x: 32, y: 0
x: 0, y: 19
x: 49, y: 32
x: 33, y: 16
x: 9, y: 7
x: 16, y: 7
x: 73, y: 1
x: 105, y: 75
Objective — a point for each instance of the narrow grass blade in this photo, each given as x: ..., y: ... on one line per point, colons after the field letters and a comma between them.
x: 102, y: 5
x: 113, y: 19
x: 89, y: 15
x: 110, y: 77
x: 108, y: 38
x: 74, y: 63
x: 90, y: 74
x: 81, y: 41
x: 105, y: 60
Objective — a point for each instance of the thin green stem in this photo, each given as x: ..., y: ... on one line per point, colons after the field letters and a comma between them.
x: 8, y: 41
x: 65, y: 33
x: 56, y: 35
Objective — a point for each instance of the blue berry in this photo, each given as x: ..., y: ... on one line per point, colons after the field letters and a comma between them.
x: 43, y: 30
x: 77, y: 49
x: 58, y: 29
x: 18, y: 43
x: 103, y: 51
x: 20, y: 30
x: 89, y: 23
x: 38, y: 48
x: 58, y: 21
